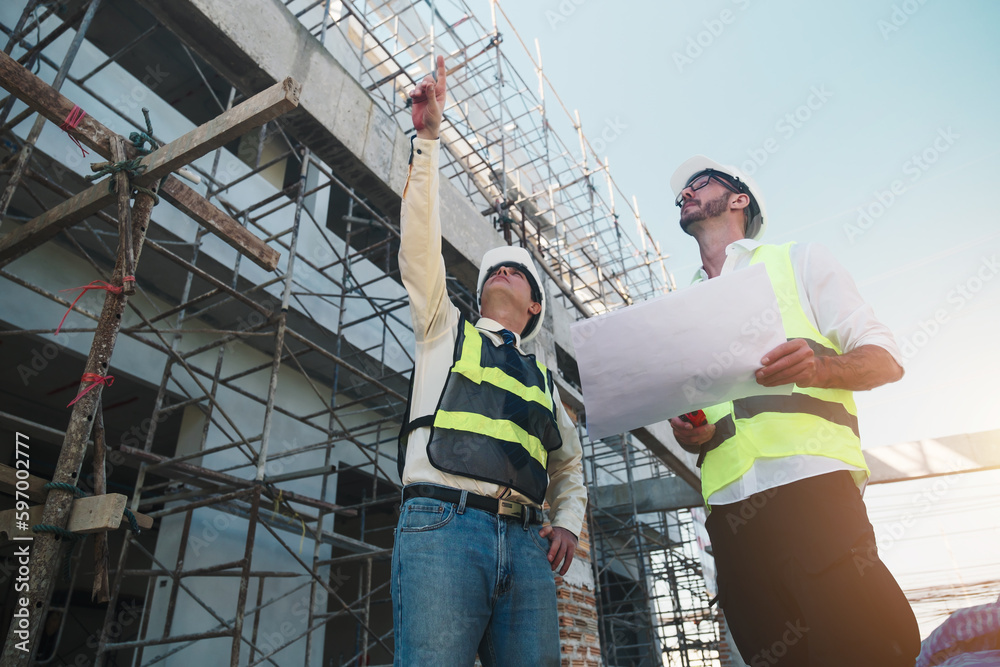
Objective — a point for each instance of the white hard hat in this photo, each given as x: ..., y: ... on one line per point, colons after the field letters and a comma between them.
x: 757, y: 220
x: 521, y: 258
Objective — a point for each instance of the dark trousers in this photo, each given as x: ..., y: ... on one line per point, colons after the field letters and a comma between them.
x: 801, y: 583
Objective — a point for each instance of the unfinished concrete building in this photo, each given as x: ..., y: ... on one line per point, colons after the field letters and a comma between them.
x: 262, y: 356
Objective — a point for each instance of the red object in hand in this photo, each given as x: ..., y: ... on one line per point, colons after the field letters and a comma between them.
x: 696, y: 418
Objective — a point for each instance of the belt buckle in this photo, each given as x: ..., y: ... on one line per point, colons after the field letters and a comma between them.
x: 509, y: 508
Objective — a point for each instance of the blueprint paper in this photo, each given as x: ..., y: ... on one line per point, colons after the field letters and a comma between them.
x: 679, y: 352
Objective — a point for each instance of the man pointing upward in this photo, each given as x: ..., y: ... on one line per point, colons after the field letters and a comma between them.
x: 485, y: 442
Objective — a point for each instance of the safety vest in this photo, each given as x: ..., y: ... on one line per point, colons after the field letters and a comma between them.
x: 812, y: 421
x: 495, y: 420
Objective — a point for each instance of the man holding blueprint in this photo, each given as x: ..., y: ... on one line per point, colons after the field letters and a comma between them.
x: 799, y: 576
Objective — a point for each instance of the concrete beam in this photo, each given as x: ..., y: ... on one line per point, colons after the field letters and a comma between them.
x: 259, y: 42
x: 665, y: 494
x: 949, y: 455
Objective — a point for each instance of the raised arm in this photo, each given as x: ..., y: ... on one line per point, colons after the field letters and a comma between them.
x: 420, y: 263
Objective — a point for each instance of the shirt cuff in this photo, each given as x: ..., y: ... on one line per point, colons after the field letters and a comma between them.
x: 887, y: 343
x: 570, y: 521
x: 424, y: 149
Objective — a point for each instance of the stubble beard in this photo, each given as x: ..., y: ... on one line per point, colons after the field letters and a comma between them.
x: 712, y: 208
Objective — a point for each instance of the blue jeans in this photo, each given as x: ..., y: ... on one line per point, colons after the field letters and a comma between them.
x: 467, y: 581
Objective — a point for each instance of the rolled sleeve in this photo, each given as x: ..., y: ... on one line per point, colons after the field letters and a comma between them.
x: 838, y: 309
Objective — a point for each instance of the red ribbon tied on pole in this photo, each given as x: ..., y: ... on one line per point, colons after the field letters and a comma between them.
x: 94, y: 379
x: 94, y: 284
x: 73, y: 119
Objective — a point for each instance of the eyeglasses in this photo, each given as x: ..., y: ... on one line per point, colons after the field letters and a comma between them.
x: 703, y: 179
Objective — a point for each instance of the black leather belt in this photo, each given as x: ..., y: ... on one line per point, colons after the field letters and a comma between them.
x: 505, y: 508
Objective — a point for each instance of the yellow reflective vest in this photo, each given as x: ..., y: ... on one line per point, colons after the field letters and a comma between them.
x: 812, y: 421
x: 496, y: 419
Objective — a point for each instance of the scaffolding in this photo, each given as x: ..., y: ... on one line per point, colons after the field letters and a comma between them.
x: 269, y: 424
x: 652, y: 598
x: 500, y: 149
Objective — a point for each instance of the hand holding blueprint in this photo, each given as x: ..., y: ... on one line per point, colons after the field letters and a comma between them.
x: 677, y: 353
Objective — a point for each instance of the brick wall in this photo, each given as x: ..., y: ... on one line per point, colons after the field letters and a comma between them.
x: 729, y: 655
x: 578, y: 633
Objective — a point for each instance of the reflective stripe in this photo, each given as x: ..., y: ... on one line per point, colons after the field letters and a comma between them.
x: 746, y: 408
x: 463, y: 395
x: 777, y: 435
x: 470, y: 365
x: 501, y: 429
x: 498, y: 378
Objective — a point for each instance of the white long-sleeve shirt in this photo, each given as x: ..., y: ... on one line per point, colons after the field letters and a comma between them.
x: 831, y: 301
x: 435, y: 326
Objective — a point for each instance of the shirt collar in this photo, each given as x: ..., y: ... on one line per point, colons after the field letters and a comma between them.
x: 494, y: 327
x: 740, y: 247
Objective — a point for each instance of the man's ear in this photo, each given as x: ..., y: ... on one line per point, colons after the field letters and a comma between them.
x: 535, y: 308
x: 740, y: 201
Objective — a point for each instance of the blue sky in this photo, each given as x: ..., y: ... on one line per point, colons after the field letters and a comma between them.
x: 831, y: 105
x: 883, y: 95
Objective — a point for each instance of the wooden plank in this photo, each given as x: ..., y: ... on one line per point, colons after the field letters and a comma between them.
x: 29, y: 236
x: 91, y: 515
x: 87, y: 515
x: 145, y: 521
x: 94, y: 514
x: 48, y: 102
x: 219, y: 223
x: 210, y: 217
x: 256, y: 111
x: 36, y: 485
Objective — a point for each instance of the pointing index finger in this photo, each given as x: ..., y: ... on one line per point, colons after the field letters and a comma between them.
x: 442, y: 73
